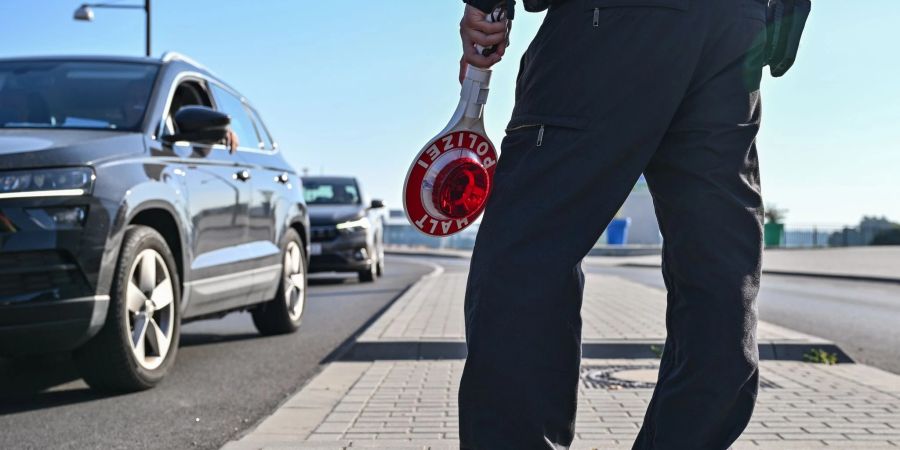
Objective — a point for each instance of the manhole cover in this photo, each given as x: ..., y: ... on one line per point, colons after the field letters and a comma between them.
x: 619, y: 377
x: 646, y: 376
x: 631, y: 377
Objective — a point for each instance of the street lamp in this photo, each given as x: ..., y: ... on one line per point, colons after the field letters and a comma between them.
x: 85, y: 12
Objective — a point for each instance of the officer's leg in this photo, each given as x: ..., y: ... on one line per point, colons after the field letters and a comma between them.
x: 605, y: 87
x: 705, y: 183
x: 523, y: 299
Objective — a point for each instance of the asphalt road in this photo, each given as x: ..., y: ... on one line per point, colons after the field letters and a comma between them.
x: 226, y: 377
x: 863, y: 318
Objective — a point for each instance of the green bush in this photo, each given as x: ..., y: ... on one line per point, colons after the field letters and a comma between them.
x: 774, y: 214
x: 887, y: 237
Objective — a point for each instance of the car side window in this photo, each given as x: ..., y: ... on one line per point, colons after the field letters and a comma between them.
x: 241, y: 123
x: 263, y: 131
x: 188, y: 93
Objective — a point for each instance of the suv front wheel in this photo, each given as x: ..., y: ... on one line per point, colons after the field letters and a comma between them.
x: 138, y: 343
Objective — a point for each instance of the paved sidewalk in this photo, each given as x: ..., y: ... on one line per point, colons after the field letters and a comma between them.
x: 862, y: 263
x: 621, y: 319
x: 396, y: 388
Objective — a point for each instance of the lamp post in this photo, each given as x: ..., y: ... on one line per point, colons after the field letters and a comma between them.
x: 85, y: 12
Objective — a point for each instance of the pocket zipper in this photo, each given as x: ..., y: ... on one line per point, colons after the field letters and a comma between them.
x: 596, y: 17
x: 540, y: 136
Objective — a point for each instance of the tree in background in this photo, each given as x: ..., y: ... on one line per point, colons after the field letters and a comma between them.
x: 888, y: 237
x: 870, y: 231
x: 774, y: 227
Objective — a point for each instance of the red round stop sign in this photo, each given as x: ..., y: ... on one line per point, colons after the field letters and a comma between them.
x: 449, y: 182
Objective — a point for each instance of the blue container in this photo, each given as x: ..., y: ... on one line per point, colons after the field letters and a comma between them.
x: 617, y: 231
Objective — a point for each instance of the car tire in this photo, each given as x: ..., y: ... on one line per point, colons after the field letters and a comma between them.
x: 368, y: 275
x: 139, y: 341
x: 283, y: 314
x: 379, y: 251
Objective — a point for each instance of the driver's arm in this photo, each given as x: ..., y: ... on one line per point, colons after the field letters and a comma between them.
x: 232, y: 141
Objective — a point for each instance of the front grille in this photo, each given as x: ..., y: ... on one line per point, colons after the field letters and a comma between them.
x: 324, y: 233
x: 45, y: 275
x: 28, y: 261
x: 328, y: 260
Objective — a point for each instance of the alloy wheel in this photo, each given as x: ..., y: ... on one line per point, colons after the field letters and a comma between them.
x: 150, y: 300
x: 294, y: 281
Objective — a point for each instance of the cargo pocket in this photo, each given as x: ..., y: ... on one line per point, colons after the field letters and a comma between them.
x: 682, y: 5
x: 598, y: 6
x: 531, y: 141
x: 539, y: 124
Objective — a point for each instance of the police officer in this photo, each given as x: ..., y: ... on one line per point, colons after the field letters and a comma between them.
x: 608, y: 90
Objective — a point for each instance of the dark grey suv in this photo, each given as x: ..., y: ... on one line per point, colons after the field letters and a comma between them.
x: 123, y: 214
x: 347, y: 228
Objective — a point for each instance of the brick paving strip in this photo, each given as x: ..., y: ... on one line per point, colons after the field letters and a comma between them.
x: 396, y: 387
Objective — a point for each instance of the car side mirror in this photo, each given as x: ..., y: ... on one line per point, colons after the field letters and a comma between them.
x: 377, y: 204
x: 199, y: 124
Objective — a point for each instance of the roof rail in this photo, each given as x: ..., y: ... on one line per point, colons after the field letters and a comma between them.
x: 175, y: 56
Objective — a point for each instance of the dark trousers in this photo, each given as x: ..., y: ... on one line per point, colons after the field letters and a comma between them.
x: 608, y: 90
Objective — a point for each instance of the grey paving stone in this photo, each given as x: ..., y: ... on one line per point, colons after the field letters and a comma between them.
x: 794, y: 445
x: 401, y: 404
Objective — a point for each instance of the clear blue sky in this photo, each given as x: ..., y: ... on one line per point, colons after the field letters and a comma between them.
x: 357, y: 86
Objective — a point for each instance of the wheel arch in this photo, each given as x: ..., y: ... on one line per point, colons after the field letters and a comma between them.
x: 301, y: 228
x: 166, y: 224
x: 154, y: 204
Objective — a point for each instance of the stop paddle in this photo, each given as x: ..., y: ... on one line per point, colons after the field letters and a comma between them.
x: 450, y: 180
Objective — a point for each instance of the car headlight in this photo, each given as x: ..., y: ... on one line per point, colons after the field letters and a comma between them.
x: 354, y: 225
x: 71, y: 181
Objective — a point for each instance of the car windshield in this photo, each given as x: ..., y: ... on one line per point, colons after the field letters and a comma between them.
x: 75, y: 94
x: 330, y: 192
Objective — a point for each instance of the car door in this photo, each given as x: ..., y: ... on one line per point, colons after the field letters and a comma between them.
x: 217, y: 193
x: 268, y: 185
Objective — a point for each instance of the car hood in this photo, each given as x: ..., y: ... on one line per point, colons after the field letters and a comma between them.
x: 24, y: 149
x: 334, y: 214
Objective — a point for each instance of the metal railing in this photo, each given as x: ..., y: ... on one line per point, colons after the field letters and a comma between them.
x: 812, y: 237
x: 794, y: 236
x: 830, y: 236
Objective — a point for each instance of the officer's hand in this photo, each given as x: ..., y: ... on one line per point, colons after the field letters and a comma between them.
x: 475, y: 29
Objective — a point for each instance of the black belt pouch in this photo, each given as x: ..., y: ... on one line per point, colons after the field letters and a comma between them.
x: 787, y: 18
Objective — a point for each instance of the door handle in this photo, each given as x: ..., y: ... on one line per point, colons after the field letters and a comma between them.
x: 242, y: 175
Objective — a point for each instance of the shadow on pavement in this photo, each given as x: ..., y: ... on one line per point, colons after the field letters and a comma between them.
x: 329, y: 280
x: 197, y: 339
x: 44, y: 400
x: 24, y: 384
x: 351, y: 293
x: 436, y: 350
x: 48, y: 381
